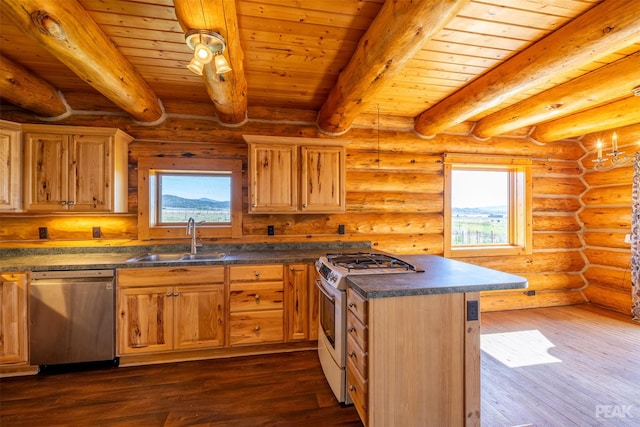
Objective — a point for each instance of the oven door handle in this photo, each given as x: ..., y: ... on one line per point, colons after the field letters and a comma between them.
x: 324, y: 291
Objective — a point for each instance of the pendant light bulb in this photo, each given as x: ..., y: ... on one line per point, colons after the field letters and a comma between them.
x: 222, y: 66
x: 203, y: 53
x: 195, y: 66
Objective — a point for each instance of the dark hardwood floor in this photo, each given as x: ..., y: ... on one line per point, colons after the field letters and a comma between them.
x: 598, y: 370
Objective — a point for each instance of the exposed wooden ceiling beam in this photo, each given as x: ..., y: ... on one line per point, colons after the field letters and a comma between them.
x: 610, y: 116
x: 26, y: 90
x: 395, y: 35
x: 604, y: 29
x: 613, y: 81
x: 72, y: 36
x: 227, y: 91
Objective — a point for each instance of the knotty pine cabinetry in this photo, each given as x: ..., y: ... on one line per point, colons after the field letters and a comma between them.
x: 256, y: 303
x: 10, y: 166
x: 77, y: 169
x: 301, y: 302
x: 413, y: 360
x: 13, y: 321
x: 161, y: 309
x: 288, y: 175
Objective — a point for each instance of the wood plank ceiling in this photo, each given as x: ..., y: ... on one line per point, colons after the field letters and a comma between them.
x: 553, y: 68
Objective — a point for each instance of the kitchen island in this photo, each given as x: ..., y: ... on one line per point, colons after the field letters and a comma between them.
x: 413, y: 342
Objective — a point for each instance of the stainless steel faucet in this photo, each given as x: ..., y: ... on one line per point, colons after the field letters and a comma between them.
x: 191, y: 231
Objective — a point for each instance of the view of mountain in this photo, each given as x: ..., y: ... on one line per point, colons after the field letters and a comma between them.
x: 170, y: 201
x: 483, y: 211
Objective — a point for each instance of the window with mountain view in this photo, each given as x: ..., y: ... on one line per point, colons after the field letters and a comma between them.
x: 173, y: 189
x: 203, y: 197
x: 487, y: 206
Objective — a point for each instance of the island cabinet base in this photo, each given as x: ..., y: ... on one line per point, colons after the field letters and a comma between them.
x: 422, y: 360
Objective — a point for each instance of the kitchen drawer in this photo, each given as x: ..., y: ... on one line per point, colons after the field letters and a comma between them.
x: 357, y: 305
x: 254, y: 273
x: 358, y: 389
x: 358, y: 356
x: 172, y: 276
x: 256, y: 296
x: 357, y: 330
x: 254, y: 327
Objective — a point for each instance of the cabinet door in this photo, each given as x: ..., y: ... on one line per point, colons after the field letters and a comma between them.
x: 46, y: 160
x: 145, y: 319
x: 90, y: 181
x: 10, y: 156
x: 13, y: 318
x: 273, y: 174
x: 322, y: 178
x: 199, y: 316
x: 296, y: 302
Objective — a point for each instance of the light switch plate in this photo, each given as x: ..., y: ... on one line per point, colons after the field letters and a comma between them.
x: 627, y: 238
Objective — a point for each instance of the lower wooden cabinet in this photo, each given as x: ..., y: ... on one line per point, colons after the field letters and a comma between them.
x: 256, y: 304
x: 414, y: 360
x: 301, y: 302
x: 13, y: 318
x: 185, y: 311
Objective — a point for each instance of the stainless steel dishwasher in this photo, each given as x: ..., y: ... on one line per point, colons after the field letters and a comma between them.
x: 72, y: 317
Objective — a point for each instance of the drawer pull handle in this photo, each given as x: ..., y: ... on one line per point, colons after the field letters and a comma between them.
x: 352, y: 354
x: 169, y: 293
x: 257, y: 328
x: 352, y: 387
x: 352, y: 330
x: 352, y: 305
x: 176, y: 294
x: 257, y: 273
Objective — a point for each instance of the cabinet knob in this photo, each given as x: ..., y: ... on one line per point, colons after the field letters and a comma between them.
x: 169, y: 293
x: 63, y: 203
x: 257, y: 328
x: 352, y: 387
x: 253, y: 205
x: 257, y: 273
x: 176, y: 294
x: 352, y: 304
x: 304, y: 206
x: 352, y: 354
x: 257, y: 297
x: 71, y: 203
x: 352, y: 330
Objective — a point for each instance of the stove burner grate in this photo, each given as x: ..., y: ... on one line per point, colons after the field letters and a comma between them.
x: 368, y: 261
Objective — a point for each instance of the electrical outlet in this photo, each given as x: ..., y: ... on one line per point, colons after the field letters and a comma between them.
x: 341, y: 229
x: 96, y: 232
x: 43, y: 233
x: 627, y: 238
x: 530, y: 293
x: 472, y: 310
x: 270, y: 230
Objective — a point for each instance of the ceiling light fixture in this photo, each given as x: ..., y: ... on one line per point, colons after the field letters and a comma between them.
x: 617, y: 160
x: 207, y: 46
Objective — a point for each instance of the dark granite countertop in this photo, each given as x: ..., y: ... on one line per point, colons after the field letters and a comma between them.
x: 440, y: 276
x: 46, y: 259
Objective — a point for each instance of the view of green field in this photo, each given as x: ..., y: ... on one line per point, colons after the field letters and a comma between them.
x: 479, y: 230
x: 182, y: 215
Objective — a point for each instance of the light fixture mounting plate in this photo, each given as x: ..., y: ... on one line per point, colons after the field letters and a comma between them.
x: 209, y: 38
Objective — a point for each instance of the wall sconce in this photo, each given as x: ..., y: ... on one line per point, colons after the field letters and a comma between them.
x: 616, y: 158
x: 207, y: 46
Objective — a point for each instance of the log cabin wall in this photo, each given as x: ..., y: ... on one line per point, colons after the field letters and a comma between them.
x: 394, y: 199
x: 606, y: 218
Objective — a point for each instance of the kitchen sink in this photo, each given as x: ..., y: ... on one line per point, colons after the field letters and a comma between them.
x: 178, y: 257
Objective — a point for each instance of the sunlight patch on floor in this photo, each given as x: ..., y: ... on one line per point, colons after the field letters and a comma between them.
x: 517, y: 349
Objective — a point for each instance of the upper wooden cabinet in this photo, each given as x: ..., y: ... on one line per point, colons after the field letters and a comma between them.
x: 75, y: 169
x: 288, y: 175
x: 10, y: 155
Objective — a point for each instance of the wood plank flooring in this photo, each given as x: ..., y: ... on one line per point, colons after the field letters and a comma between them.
x: 598, y: 352
x: 592, y: 377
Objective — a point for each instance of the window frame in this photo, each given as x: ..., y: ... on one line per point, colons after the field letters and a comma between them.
x: 519, y: 209
x: 148, y: 169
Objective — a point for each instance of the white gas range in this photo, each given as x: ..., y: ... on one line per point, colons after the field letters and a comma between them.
x: 333, y: 270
